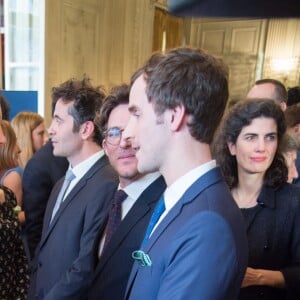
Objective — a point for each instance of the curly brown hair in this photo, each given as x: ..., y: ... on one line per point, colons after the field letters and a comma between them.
x: 241, y: 115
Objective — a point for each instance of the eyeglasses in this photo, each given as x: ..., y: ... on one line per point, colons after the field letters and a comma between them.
x: 113, y: 135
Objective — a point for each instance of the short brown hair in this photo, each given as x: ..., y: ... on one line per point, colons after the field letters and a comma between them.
x: 281, y: 94
x: 87, y: 102
x: 117, y: 96
x: 194, y: 79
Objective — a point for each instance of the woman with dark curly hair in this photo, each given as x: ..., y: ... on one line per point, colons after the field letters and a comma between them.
x: 247, y: 150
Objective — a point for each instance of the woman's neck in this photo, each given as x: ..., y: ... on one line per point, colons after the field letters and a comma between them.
x: 247, y: 191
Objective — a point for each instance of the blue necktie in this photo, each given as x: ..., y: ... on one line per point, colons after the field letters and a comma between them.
x: 68, y: 178
x: 139, y: 255
x: 158, y: 211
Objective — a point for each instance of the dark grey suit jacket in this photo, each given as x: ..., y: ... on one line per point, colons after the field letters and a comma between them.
x: 41, y: 173
x: 62, y: 266
x: 113, y: 269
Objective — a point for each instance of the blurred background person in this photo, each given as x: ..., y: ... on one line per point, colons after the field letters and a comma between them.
x: 41, y: 173
x: 271, y: 89
x: 292, y: 118
x: 246, y: 148
x: 14, y: 278
x: 5, y: 107
x: 289, y: 148
x: 31, y: 134
x: 10, y: 171
x: 293, y: 95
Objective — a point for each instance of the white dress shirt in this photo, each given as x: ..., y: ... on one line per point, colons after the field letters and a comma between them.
x: 81, y: 169
x: 133, y: 190
x: 175, y: 191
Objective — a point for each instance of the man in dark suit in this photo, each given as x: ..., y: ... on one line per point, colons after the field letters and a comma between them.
x: 41, y: 173
x: 195, y: 246
x: 77, y: 205
x: 143, y: 191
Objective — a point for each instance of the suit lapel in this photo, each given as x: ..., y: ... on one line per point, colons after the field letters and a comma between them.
x: 142, y: 206
x: 81, y: 184
x: 194, y: 190
x: 197, y: 187
x: 51, y: 204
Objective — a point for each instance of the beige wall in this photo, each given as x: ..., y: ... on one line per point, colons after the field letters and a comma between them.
x: 109, y: 39
x: 238, y: 42
x: 251, y: 48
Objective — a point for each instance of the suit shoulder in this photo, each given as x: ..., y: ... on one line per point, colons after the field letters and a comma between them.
x: 109, y: 173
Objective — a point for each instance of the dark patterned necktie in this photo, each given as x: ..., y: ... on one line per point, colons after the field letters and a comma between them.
x: 114, y: 216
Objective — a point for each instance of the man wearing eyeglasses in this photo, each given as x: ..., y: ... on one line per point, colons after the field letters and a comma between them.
x: 141, y: 192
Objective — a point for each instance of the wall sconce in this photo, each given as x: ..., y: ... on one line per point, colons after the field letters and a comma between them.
x: 283, y: 65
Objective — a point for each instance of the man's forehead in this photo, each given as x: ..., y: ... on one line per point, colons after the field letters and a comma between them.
x: 137, y: 91
x: 117, y: 111
x: 262, y: 90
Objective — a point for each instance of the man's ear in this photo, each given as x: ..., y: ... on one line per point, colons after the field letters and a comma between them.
x: 283, y: 105
x: 177, y: 117
x: 87, y: 129
x: 104, y: 146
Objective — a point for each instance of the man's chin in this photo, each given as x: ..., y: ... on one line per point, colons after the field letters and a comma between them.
x: 57, y: 153
x: 144, y: 168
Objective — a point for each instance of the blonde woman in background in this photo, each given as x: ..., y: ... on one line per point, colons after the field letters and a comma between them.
x: 10, y: 171
x: 31, y: 134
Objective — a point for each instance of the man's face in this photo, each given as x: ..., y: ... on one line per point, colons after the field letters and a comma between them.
x: 119, y: 150
x: 65, y: 142
x: 147, y: 130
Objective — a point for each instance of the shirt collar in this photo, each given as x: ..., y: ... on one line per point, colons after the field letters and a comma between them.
x: 175, y: 191
x: 135, y: 189
x: 81, y: 169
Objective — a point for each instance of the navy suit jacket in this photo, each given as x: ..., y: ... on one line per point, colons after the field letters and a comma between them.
x: 114, y: 266
x: 41, y: 173
x: 198, y: 251
x: 63, y: 262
